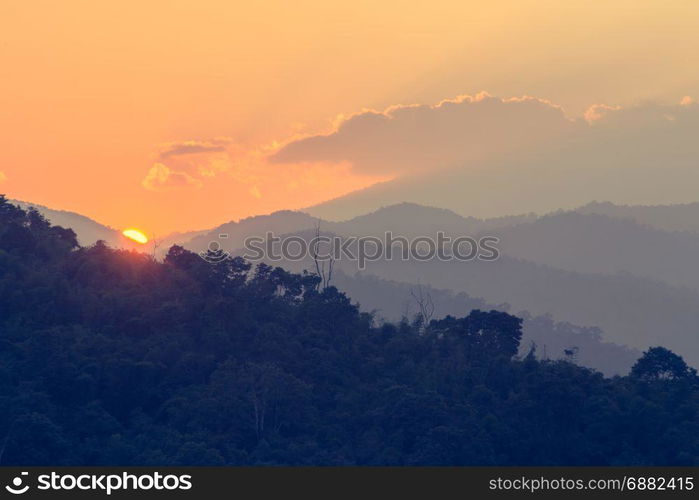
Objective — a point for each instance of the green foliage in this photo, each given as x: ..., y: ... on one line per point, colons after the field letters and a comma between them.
x: 109, y: 357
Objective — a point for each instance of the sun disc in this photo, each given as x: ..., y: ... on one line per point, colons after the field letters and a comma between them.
x: 135, y: 235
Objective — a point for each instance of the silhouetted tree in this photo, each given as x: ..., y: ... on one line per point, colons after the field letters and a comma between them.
x: 659, y: 363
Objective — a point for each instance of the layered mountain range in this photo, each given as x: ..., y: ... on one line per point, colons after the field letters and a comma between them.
x: 626, y: 274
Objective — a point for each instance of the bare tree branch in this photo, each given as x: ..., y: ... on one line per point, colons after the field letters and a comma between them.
x: 323, y: 272
x: 424, y: 302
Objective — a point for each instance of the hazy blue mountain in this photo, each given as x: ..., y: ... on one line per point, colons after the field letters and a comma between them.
x: 176, y: 238
x: 586, y: 243
x: 407, y: 219
x: 537, y: 185
x: 404, y: 219
x: 391, y: 301
x: 592, y: 243
x: 233, y: 234
x: 411, y: 220
x: 633, y: 311
x: 415, y: 219
x: 680, y: 217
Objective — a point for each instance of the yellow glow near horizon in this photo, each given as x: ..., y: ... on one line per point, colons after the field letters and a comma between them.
x: 135, y: 235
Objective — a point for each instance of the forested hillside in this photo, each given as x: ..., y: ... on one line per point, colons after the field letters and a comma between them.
x: 110, y: 357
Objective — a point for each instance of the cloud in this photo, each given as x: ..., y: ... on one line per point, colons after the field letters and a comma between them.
x: 477, y: 154
x: 472, y: 133
x: 161, y: 177
x: 182, y: 164
x: 463, y: 131
x: 247, y: 172
x: 181, y: 148
x: 641, y: 154
x: 597, y: 111
x: 645, y: 117
x: 3, y: 177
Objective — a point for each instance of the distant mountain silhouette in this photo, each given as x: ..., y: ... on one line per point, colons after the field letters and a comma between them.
x: 537, y: 185
x: 591, y: 243
x: 581, y: 242
x: 405, y: 219
x: 233, y: 234
x: 412, y: 219
x: 176, y: 238
x: 581, y: 268
x: 391, y: 300
x: 408, y: 219
x: 680, y: 217
x: 88, y: 230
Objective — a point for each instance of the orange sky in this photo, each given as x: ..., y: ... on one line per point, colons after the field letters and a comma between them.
x: 93, y: 95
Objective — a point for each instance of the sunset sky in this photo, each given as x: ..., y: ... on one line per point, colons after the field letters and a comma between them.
x: 168, y: 115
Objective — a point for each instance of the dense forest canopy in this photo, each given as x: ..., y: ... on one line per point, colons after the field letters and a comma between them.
x: 111, y: 357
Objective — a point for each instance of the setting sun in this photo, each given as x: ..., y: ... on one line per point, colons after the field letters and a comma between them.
x: 135, y: 235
